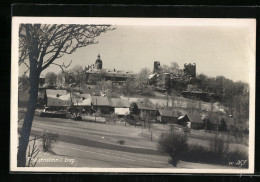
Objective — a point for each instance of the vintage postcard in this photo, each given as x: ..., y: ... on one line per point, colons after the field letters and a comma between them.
x: 138, y: 95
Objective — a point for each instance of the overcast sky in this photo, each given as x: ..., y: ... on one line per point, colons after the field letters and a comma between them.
x: 216, y: 50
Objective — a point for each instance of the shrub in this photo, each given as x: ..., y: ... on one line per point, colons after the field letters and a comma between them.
x: 47, y: 141
x: 218, y: 153
x: 173, y: 144
x: 186, y: 130
x: 121, y: 142
x: 219, y: 147
x: 197, y: 153
x: 237, y: 158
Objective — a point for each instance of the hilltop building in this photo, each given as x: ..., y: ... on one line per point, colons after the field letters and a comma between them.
x: 164, y: 81
x: 180, y: 80
x: 114, y: 75
x: 190, y: 69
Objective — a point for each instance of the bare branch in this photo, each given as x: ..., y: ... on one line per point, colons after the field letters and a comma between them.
x: 62, y: 66
x: 53, y: 41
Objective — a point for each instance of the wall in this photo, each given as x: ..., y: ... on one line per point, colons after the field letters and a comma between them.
x: 197, y: 126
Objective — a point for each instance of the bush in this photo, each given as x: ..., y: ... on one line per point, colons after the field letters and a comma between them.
x: 237, y: 158
x: 121, y: 142
x: 173, y: 144
x: 47, y: 141
x: 197, y: 153
x: 78, y: 118
x: 218, y: 153
x: 186, y: 130
x: 219, y: 147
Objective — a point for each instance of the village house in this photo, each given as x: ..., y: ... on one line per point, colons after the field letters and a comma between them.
x: 210, y: 124
x: 83, y: 102
x: 192, y: 121
x: 101, y: 104
x: 57, y: 99
x: 146, y: 109
x: 167, y: 116
x: 120, y: 107
x: 221, y: 124
x: 229, y: 123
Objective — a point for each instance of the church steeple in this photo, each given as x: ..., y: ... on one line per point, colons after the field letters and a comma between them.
x: 98, y: 63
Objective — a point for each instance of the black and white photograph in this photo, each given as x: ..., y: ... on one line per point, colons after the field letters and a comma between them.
x: 138, y: 95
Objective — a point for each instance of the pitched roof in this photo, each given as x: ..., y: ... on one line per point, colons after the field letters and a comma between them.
x: 55, y: 92
x: 112, y: 73
x: 100, y: 101
x: 229, y: 121
x: 168, y: 113
x: 57, y: 97
x: 195, y: 118
x: 116, y: 102
x: 133, y: 99
x: 83, y: 99
x: 144, y: 106
x: 58, y: 100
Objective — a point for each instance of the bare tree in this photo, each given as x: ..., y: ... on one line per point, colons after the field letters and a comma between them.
x: 77, y: 73
x: 40, y: 45
x: 141, y: 80
x: 51, y: 78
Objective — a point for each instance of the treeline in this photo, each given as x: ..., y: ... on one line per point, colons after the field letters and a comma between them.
x: 233, y: 95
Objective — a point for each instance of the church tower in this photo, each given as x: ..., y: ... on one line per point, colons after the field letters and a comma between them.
x: 98, y: 63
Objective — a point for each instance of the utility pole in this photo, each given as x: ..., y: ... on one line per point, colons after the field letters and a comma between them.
x: 96, y: 111
x: 151, y: 134
x: 235, y: 128
x: 77, y: 107
x: 167, y: 97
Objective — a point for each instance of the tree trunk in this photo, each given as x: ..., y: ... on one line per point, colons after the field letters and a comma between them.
x: 31, y: 33
x: 27, y: 124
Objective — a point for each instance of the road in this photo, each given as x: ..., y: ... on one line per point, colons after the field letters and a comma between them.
x: 96, y: 144
x: 87, y: 144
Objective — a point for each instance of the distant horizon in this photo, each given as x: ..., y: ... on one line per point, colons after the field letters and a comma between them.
x: 151, y: 70
x: 216, y: 50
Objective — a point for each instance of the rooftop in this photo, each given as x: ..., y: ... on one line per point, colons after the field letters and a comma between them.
x: 195, y: 118
x: 83, y: 99
x: 113, y: 73
x: 168, y: 113
x: 144, y: 106
x: 100, y: 101
x: 116, y: 102
x: 55, y: 92
x: 58, y: 100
